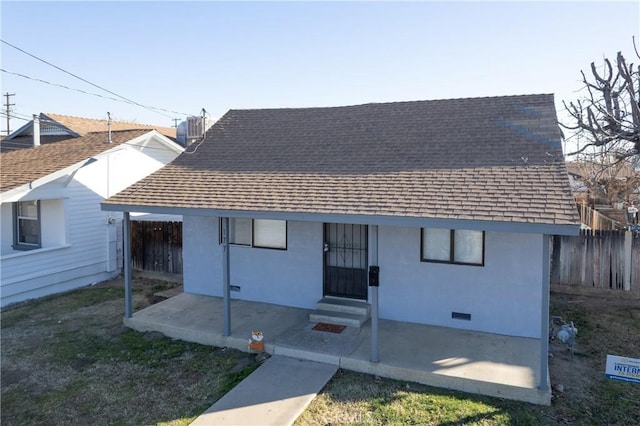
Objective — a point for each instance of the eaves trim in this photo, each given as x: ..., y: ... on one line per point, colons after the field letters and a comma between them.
x: 414, y: 222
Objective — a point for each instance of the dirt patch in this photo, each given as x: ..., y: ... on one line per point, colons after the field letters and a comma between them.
x: 608, y: 323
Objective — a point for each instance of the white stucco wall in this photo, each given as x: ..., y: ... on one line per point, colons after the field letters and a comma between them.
x: 503, y: 296
x: 291, y: 277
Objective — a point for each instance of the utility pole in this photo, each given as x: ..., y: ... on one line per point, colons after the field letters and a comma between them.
x: 175, y: 122
x: 8, y: 111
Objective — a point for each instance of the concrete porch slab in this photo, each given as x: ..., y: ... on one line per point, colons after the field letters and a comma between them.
x: 475, y: 362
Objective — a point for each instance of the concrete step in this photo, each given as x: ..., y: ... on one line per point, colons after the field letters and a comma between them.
x: 339, y: 318
x: 348, y: 306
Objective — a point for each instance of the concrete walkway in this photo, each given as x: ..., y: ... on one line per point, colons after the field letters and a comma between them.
x: 274, y: 394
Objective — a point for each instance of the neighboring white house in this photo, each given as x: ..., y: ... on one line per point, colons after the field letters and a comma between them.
x: 54, y: 236
x: 454, y: 200
x: 51, y: 128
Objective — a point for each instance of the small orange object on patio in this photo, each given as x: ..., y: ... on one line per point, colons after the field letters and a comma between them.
x: 256, y: 346
x: 255, y: 343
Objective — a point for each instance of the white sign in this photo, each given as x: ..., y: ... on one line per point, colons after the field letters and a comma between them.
x: 623, y: 368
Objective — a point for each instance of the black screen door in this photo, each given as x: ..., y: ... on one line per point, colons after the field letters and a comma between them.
x: 345, y: 260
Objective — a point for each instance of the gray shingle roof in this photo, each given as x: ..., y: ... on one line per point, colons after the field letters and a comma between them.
x: 495, y: 158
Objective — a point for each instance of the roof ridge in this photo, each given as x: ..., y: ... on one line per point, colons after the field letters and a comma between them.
x: 396, y: 102
x: 99, y: 119
x: 118, y: 131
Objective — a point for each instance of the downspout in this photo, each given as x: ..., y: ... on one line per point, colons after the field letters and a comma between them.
x: 373, y: 260
x: 126, y: 236
x: 544, y: 316
x: 226, y: 295
x: 36, y: 130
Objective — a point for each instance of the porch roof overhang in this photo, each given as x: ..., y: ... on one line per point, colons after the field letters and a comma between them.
x: 383, y: 220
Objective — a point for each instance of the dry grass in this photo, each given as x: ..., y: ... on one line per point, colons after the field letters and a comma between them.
x: 67, y: 359
x: 606, y: 324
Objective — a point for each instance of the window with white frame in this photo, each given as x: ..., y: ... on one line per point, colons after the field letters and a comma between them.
x: 262, y: 233
x: 26, y: 225
x: 458, y: 246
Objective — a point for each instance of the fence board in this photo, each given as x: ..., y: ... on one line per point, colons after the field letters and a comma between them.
x: 635, y: 262
x: 157, y: 246
x: 595, y: 259
x: 589, y: 278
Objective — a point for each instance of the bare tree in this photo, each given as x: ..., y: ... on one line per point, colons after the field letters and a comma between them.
x: 607, y: 118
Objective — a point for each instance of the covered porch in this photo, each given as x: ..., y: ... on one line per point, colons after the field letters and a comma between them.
x: 475, y: 362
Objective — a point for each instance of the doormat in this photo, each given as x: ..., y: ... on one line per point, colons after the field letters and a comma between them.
x: 331, y: 328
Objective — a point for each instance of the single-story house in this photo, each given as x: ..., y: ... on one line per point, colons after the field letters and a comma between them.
x: 55, y: 237
x: 433, y: 212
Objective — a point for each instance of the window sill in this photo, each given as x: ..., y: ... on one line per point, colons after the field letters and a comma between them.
x: 256, y: 247
x: 447, y: 262
x: 20, y: 253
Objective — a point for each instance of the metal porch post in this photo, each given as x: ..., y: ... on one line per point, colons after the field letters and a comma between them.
x: 544, y: 320
x: 126, y: 241
x: 373, y: 254
x: 226, y: 302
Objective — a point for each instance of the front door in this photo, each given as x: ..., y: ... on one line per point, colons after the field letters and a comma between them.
x: 345, y: 260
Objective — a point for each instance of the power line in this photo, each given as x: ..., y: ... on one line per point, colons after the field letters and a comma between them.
x: 16, y: 115
x: 25, y: 117
x: 63, y: 86
x: 152, y: 109
x: 83, y: 91
x: 79, y: 78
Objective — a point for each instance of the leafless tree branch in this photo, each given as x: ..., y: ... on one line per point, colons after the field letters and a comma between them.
x: 607, y: 121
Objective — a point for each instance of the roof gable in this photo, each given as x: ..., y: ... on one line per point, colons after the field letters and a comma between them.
x: 58, y: 127
x: 26, y: 165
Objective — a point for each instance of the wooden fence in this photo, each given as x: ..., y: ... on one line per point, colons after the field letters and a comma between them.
x: 601, y: 259
x: 157, y: 246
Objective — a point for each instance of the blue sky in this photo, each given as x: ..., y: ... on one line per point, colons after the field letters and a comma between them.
x: 185, y: 56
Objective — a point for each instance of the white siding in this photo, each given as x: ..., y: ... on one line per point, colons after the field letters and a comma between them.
x: 6, y: 228
x: 79, y: 243
x: 503, y: 296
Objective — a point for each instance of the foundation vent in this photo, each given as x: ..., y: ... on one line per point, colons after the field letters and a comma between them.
x: 461, y: 316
